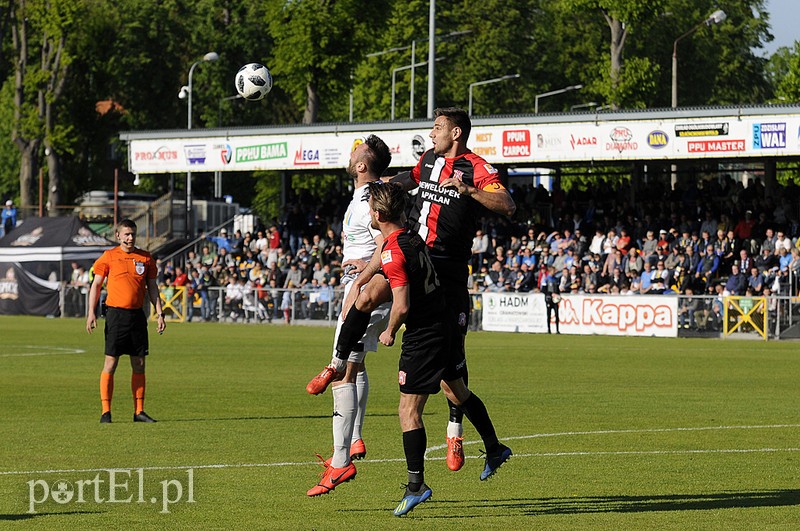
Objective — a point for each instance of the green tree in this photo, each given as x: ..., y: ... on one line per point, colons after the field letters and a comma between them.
x: 623, y: 18
x: 40, y: 30
x: 784, y: 72
x: 317, y: 45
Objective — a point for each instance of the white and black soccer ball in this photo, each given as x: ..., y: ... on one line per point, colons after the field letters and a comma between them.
x: 253, y: 81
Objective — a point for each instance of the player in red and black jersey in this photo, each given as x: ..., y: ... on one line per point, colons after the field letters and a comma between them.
x: 453, y: 185
x: 426, y: 361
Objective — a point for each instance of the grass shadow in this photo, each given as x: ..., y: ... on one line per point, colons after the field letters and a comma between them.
x: 30, y: 516
x: 277, y: 417
x: 627, y: 504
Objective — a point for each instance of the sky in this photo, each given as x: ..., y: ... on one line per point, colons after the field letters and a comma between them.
x: 783, y: 18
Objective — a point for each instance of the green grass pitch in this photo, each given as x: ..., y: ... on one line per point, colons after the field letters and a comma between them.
x: 607, y: 433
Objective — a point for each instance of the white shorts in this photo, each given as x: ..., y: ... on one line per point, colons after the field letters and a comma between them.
x: 377, y: 324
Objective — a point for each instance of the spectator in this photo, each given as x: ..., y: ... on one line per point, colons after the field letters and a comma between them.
x: 208, y: 258
x: 634, y: 264
x: 756, y: 280
x: 781, y: 241
x: 237, y: 244
x: 234, y: 295
x: 596, y: 246
x: 623, y: 242
x: 736, y: 283
x: 769, y: 240
x: 689, y: 305
x: 659, y: 279
x: 480, y: 247
x: 646, y: 279
x: 273, y: 244
x: 9, y: 217
x: 523, y: 279
x: 650, y: 248
x: 192, y: 260
x: 744, y: 228
x: 707, y: 267
x: 294, y: 276
x: 221, y: 241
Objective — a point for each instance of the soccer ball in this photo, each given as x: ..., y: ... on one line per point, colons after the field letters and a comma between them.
x: 253, y: 81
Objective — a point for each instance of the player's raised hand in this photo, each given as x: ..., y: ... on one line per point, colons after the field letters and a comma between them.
x: 386, y: 338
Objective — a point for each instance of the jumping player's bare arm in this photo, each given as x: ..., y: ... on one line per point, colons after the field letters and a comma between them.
x: 376, y: 294
x: 495, y: 198
x: 400, y: 305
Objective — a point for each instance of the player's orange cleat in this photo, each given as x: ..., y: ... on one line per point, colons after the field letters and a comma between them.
x: 332, y: 478
x: 324, y: 463
x: 358, y: 450
x: 320, y: 382
x: 455, y: 453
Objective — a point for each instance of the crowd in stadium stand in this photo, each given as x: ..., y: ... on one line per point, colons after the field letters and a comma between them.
x: 716, y: 236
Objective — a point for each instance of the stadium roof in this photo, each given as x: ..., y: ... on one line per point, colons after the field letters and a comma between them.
x: 606, y: 137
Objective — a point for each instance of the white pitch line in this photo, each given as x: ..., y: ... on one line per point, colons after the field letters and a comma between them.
x: 51, y: 352
x: 664, y: 452
x: 398, y: 460
x: 612, y: 432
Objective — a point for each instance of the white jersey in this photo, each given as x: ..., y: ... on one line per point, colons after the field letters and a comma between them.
x: 359, y: 236
x: 359, y: 243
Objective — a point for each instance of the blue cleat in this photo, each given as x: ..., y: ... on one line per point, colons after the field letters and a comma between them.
x: 494, y: 460
x: 412, y: 499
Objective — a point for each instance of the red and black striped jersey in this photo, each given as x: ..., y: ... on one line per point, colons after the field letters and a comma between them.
x: 445, y: 219
x: 405, y: 262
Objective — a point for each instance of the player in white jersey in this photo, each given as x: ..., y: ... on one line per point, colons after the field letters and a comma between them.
x: 347, y: 373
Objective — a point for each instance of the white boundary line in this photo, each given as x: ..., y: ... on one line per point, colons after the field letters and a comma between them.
x: 52, y: 352
x: 545, y: 454
x: 612, y: 432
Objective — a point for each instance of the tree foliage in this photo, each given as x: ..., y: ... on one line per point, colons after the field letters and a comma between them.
x: 134, y: 56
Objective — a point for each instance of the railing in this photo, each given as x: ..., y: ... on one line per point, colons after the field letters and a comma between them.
x: 256, y: 305
x: 773, y: 317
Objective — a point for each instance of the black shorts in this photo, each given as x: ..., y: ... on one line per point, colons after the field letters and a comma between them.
x: 452, y: 275
x: 126, y: 332
x: 422, y: 360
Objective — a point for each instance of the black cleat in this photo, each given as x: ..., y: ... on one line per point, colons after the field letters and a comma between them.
x: 494, y: 460
x: 105, y: 418
x: 143, y: 417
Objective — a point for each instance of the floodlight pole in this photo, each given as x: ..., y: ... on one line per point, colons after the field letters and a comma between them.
x: 553, y: 93
x: 486, y: 82
x: 187, y: 93
x: 431, y: 56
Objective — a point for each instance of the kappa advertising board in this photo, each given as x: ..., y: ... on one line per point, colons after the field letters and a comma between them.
x: 613, y: 315
x: 278, y: 152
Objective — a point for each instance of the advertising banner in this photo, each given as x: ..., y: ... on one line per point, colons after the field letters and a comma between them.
x: 593, y: 141
x: 24, y: 294
x: 614, y: 315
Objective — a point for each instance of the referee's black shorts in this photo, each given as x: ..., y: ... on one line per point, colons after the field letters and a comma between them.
x: 422, y: 360
x: 126, y: 332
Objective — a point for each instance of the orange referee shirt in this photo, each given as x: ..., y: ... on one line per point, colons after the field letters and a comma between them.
x: 127, y: 275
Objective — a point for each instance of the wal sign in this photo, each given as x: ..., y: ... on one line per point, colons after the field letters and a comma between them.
x: 769, y: 136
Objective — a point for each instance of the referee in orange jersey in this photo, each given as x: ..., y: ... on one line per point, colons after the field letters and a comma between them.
x: 129, y: 271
